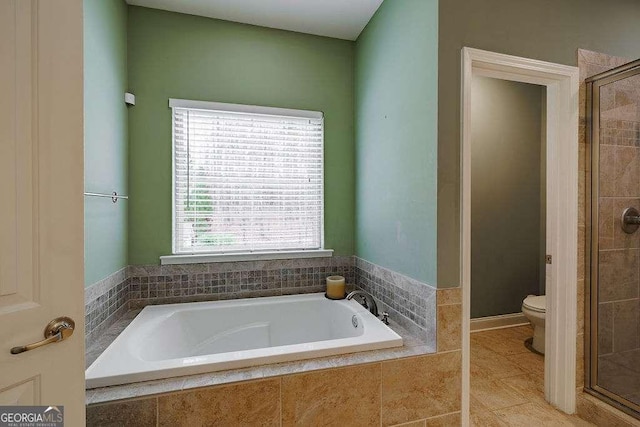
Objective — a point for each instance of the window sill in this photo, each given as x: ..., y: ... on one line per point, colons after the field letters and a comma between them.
x: 244, y: 256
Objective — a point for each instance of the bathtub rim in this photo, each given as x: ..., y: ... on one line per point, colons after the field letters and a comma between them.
x: 138, y: 370
x: 415, y: 343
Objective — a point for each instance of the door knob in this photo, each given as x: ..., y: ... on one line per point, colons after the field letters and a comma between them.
x: 57, y: 330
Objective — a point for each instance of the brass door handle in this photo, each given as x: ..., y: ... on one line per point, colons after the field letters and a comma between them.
x: 57, y: 330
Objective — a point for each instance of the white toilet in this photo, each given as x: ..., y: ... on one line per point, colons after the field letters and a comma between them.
x: 534, y: 308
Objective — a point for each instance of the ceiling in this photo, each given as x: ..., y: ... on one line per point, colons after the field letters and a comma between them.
x: 343, y: 19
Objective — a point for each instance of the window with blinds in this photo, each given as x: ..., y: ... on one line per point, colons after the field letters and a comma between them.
x: 246, y: 178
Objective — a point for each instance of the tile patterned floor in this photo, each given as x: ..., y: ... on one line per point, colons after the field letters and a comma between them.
x: 507, y: 382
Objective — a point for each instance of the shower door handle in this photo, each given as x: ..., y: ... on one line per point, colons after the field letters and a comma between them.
x: 632, y: 219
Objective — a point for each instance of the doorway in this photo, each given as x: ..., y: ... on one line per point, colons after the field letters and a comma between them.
x: 508, y: 201
x: 508, y: 247
x: 561, y: 161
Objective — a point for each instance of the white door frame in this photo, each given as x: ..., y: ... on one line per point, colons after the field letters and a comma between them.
x: 561, y: 82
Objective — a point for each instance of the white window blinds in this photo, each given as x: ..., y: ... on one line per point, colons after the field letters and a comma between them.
x: 246, y: 179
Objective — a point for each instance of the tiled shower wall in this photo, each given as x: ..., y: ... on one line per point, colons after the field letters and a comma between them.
x: 409, y: 302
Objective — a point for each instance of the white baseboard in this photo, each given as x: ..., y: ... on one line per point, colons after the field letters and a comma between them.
x: 498, y: 322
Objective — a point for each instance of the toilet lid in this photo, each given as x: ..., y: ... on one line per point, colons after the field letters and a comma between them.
x: 535, y: 303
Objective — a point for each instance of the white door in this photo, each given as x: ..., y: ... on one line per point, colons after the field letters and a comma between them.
x: 41, y: 205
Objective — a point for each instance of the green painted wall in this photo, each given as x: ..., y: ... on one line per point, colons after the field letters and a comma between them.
x: 105, y: 134
x: 396, y: 138
x: 173, y: 55
x: 550, y: 30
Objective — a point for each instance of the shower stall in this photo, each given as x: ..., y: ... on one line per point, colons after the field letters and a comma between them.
x: 612, y: 298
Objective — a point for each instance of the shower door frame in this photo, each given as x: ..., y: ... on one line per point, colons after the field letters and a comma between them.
x: 593, y: 85
x: 562, y: 83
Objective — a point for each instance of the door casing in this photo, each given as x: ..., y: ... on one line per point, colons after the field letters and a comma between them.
x: 561, y: 82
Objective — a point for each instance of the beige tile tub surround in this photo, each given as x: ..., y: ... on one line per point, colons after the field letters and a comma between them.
x: 422, y: 387
x: 329, y: 396
x: 449, y: 319
x: 419, y: 389
x: 415, y: 391
x: 139, y: 413
x: 254, y: 403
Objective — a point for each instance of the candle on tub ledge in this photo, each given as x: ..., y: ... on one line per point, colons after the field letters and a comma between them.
x: 335, y: 287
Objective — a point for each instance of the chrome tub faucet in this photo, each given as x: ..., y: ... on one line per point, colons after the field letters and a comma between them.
x: 367, y: 301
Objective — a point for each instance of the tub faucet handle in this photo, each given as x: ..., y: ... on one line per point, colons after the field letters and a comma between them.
x: 385, y: 317
x: 363, y: 301
x: 367, y: 301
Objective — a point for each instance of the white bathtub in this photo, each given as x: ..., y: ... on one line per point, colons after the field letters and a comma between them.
x: 171, y: 340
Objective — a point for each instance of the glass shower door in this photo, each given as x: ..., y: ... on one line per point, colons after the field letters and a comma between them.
x: 615, y: 247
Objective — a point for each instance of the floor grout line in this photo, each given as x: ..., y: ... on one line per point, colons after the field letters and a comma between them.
x: 528, y: 391
x: 509, y: 407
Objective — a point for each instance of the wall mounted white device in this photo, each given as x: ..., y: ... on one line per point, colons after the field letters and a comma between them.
x: 129, y: 98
